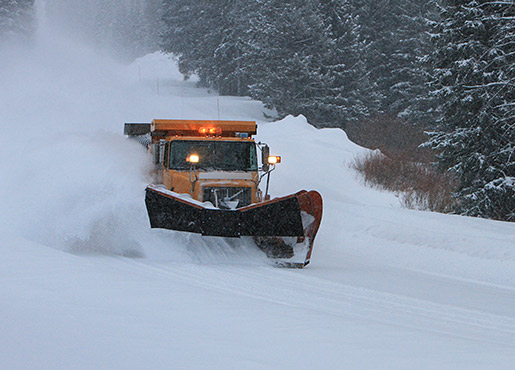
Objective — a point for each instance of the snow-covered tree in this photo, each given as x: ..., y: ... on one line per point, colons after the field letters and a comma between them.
x: 339, y: 99
x: 209, y: 39
x: 16, y: 19
x: 270, y: 49
x: 191, y: 34
x: 474, y: 89
x: 392, y: 36
x: 123, y: 28
x: 333, y: 61
x: 290, y: 49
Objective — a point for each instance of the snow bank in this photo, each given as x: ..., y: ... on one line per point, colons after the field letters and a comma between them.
x: 365, y: 222
x: 153, y: 67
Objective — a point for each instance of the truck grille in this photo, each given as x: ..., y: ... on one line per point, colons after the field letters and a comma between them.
x: 219, y: 196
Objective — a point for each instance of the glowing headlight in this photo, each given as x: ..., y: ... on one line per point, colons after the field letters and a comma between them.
x: 274, y: 159
x: 193, y: 158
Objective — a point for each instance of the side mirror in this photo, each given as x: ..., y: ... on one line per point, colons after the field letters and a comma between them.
x: 265, y: 153
x: 162, y: 145
x: 155, y: 153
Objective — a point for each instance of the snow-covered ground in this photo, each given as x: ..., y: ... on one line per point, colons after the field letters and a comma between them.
x: 85, y: 284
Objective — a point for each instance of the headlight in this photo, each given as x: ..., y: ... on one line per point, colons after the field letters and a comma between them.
x: 193, y: 158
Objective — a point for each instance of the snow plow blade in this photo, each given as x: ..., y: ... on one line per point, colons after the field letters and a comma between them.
x: 284, y: 228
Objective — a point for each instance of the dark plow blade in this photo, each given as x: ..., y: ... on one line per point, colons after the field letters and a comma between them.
x: 277, y: 226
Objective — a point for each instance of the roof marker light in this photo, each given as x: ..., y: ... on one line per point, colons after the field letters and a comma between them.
x: 210, y: 130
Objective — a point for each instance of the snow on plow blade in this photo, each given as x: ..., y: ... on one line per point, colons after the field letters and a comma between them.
x: 282, y: 227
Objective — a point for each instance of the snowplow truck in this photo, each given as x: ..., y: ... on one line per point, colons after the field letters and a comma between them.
x: 207, y: 181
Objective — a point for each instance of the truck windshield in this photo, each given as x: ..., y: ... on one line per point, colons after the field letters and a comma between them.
x: 214, y: 155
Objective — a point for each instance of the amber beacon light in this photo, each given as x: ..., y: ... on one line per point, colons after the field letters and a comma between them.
x: 274, y: 159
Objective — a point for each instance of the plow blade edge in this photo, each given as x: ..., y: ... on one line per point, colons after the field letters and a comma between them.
x: 288, y: 221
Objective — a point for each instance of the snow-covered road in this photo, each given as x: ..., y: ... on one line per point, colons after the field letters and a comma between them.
x: 65, y: 311
x: 85, y: 284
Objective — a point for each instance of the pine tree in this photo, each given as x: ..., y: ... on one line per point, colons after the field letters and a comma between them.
x: 16, y: 19
x: 208, y: 40
x: 231, y: 70
x: 122, y: 28
x: 392, y: 36
x: 409, y: 78
x: 291, y: 52
x: 152, y: 25
x: 189, y: 35
x: 342, y: 101
x: 474, y: 89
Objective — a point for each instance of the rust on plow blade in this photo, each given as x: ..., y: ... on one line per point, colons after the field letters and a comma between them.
x: 282, y: 227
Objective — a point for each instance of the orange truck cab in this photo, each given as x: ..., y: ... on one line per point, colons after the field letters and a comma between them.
x: 211, y: 161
